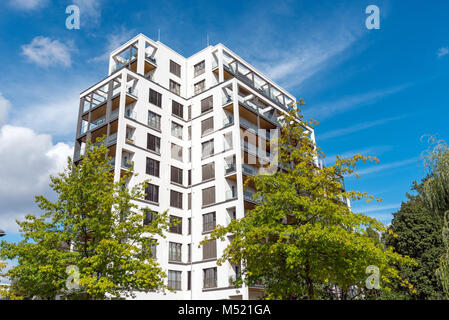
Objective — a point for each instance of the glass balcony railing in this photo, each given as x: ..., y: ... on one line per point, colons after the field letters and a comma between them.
x: 132, y: 91
x: 230, y: 194
x: 252, y: 149
x: 130, y: 113
x: 249, y: 170
x: 228, y: 120
x: 112, y: 138
x: 226, y: 99
x: 150, y: 58
x: 127, y: 164
x: 114, y: 114
x: 83, y: 128
x: 248, y: 125
x: 112, y: 161
x: 229, y: 168
x: 98, y: 122
x: 249, y: 196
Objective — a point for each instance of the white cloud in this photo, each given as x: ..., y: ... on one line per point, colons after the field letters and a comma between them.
x: 379, y: 207
x: 5, y: 105
x: 90, y: 9
x: 113, y: 41
x: 370, y: 151
x: 28, y: 158
x: 46, y: 52
x: 442, y: 52
x: 55, y: 114
x: 355, y: 128
x: 330, y: 109
x: 28, y: 4
x: 384, y: 167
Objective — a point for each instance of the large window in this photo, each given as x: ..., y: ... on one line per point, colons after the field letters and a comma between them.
x: 199, y: 87
x: 199, y: 68
x: 210, y: 278
x: 207, y: 148
x: 207, y: 104
x: 210, y: 250
x: 176, y: 130
x: 152, y: 167
x: 208, y: 196
x: 155, y: 98
x: 154, y: 120
x: 152, y: 193
x: 153, y: 143
x: 175, y: 87
x: 177, y: 109
x: 151, y: 249
x: 208, y: 222
x: 208, y: 171
x: 176, y: 175
x: 174, y: 279
x: 175, y: 199
x: 150, y: 215
x: 175, y: 225
x: 174, y: 253
x: 175, y: 68
x: 207, y: 126
x: 176, y: 152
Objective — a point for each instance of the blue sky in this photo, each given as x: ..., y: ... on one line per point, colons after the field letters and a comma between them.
x: 375, y: 92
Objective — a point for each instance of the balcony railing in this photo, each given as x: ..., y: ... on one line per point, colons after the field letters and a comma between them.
x: 127, y: 164
x: 230, y: 194
x: 228, y: 120
x: 226, y: 99
x: 84, y: 127
x: 150, y: 58
x: 248, y: 125
x: 252, y: 149
x: 248, y: 196
x: 230, y: 168
x: 112, y: 138
x: 249, y: 170
x: 114, y: 113
x: 133, y: 91
x: 98, y: 122
x: 130, y: 113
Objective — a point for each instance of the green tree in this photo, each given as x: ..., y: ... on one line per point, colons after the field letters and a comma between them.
x: 435, y: 195
x: 417, y: 233
x: 96, y: 229
x: 302, y: 237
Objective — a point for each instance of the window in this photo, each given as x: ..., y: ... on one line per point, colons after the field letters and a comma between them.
x: 190, y: 154
x: 189, y: 112
x: 210, y: 250
x: 153, y: 143
x: 152, y: 193
x: 207, y: 104
x: 176, y: 175
x: 210, y: 278
x: 189, y: 133
x: 208, y: 196
x: 174, y: 279
x: 174, y: 253
x: 152, y: 245
x: 154, y: 120
x: 189, y: 203
x: 155, y: 98
x: 207, y: 126
x: 189, y: 280
x: 207, y: 148
x: 175, y: 87
x: 175, y: 225
x: 150, y: 216
x: 175, y: 68
x: 189, y: 252
x: 176, y: 152
x: 208, y: 171
x: 152, y: 167
x: 177, y: 109
x: 208, y: 222
x: 199, y: 87
x: 176, y: 130
x: 175, y: 199
x: 189, y: 177
x: 199, y: 68
x: 189, y: 225
x: 227, y: 141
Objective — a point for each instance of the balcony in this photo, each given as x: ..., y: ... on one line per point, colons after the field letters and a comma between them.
x: 249, y: 170
x: 129, y: 113
x: 127, y: 164
x: 249, y: 196
x: 98, y: 122
x: 230, y: 168
x: 230, y: 194
x: 228, y: 119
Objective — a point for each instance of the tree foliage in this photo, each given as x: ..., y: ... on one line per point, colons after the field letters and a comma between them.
x: 417, y: 233
x: 96, y: 226
x: 302, y: 238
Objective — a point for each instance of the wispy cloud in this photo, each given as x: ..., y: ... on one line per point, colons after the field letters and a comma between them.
x: 370, y: 151
x: 379, y: 207
x: 332, y: 108
x: 28, y: 4
x: 388, y: 166
x: 442, y: 52
x: 356, y: 128
x: 113, y: 41
x: 5, y: 106
x: 90, y: 10
x: 46, y: 52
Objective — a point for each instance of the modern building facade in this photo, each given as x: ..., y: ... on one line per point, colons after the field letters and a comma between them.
x: 195, y: 127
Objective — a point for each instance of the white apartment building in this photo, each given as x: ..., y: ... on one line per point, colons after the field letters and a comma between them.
x: 190, y: 126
